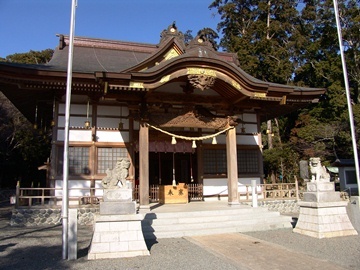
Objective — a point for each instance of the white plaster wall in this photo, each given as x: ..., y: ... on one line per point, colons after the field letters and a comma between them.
x: 112, y: 136
x: 80, y: 135
x: 218, y: 186
x: 75, y: 135
x: 75, y: 109
x: 247, y: 139
x: 99, y: 191
x: 74, y: 184
x: 249, y: 128
x: 103, y: 122
x: 240, y: 139
x: 75, y: 121
x: 116, y: 111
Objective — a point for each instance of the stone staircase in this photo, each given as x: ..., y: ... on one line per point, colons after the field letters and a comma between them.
x: 205, y: 222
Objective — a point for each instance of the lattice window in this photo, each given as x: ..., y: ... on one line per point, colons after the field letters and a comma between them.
x: 78, y: 160
x: 248, y: 161
x: 215, y: 161
x: 107, y: 157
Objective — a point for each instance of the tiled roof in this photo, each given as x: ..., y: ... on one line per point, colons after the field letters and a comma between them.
x: 90, y: 59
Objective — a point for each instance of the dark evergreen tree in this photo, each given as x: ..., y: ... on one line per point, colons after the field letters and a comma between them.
x: 296, y: 42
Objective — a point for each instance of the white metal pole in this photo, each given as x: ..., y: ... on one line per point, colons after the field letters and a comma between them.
x: 351, y: 118
x: 65, y: 200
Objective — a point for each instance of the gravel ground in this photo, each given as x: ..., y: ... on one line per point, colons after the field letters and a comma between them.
x: 344, y: 251
x: 41, y: 248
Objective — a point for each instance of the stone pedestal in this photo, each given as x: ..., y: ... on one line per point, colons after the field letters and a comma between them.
x: 117, y: 202
x: 323, y: 213
x: 117, y: 236
x: 117, y: 231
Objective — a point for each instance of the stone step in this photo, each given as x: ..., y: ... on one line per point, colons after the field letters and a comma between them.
x: 217, y: 230
x: 207, y: 213
x: 203, y: 218
x: 180, y: 224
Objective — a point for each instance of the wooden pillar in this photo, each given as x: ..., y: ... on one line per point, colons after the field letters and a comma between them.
x: 144, y: 165
x: 131, y: 150
x: 232, y: 169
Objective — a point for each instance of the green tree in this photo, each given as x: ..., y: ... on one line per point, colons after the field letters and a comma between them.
x: 296, y: 42
x: 211, y: 36
x: 31, y: 57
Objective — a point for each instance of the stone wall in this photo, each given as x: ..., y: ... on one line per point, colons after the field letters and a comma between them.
x: 49, y: 216
x: 284, y: 206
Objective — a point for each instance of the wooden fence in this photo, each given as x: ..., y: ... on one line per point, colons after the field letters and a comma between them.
x: 35, y: 197
x: 284, y: 191
x: 40, y: 197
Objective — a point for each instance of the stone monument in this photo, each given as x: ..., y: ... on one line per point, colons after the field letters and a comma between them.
x: 322, y: 211
x: 117, y: 229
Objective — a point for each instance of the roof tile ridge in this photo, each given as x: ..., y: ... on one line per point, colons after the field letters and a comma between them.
x: 110, y: 44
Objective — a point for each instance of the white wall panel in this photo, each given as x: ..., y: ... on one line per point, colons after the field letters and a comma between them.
x: 247, y: 139
x: 84, y: 185
x: 218, y: 186
x: 103, y: 122
x: 112, y: 136
x: 112, y: 111
x: 80, y: 135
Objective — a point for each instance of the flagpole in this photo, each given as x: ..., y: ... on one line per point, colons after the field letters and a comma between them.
x: 65, y: 199
x: 351, y: 118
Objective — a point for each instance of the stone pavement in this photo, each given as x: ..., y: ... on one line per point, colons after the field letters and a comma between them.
x: 247, y: 252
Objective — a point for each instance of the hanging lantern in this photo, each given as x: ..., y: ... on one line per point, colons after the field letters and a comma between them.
x: 214, y: 141
x: 87, y: 122
x: 174, y: 181
x: 36, y: 112
x: 173, y: 140
x: 193, y: 144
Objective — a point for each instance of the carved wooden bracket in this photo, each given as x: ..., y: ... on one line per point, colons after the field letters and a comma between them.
x: 201, y: 81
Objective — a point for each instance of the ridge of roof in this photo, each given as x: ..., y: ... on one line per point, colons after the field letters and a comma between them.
x: 107, y: 44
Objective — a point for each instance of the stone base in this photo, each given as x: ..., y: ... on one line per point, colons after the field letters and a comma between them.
x: 117, y: 236
x: 117, y: 208
x: 324, y: 219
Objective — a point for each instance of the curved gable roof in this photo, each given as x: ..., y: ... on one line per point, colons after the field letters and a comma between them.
x: 128, y: 66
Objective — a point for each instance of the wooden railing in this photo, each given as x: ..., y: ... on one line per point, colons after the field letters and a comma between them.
x: 33, y: 197
x: 40, y: 197
x: 284, y: 191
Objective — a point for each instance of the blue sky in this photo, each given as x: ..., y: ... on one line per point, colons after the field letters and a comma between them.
x: 33, y: 24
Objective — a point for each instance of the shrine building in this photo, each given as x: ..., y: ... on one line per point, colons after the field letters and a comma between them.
x: 180, y: 112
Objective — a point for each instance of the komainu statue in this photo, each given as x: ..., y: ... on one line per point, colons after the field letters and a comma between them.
x: 317, y: 171
x: 116, y: 177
